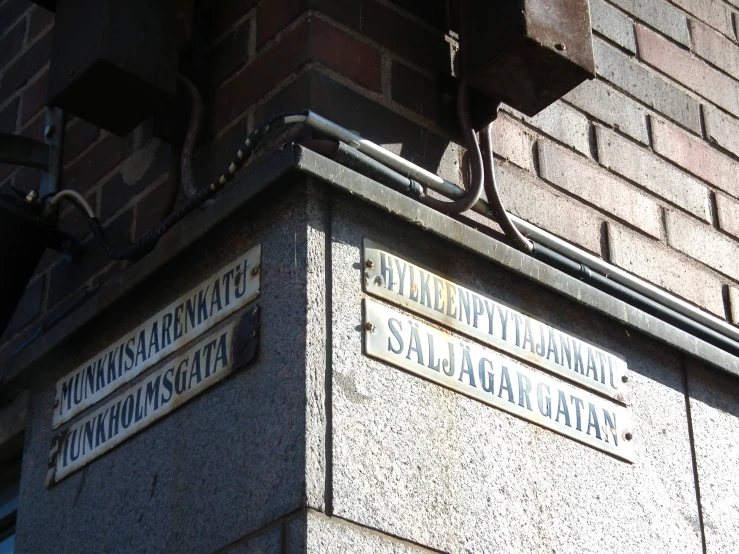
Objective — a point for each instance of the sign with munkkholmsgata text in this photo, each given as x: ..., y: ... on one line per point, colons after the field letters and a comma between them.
x: 480, y: 317
x: 201, y: 366
x: 489, y: 377
x: 212, y: 301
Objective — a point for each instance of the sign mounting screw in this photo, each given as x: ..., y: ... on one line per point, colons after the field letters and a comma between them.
x: 369, y: 326
x: 369, y: 263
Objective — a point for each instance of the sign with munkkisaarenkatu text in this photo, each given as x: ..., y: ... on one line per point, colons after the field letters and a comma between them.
x: 201, y: 366
x: 222, y: 294
x: 480, y: 317
x: 480, y: 373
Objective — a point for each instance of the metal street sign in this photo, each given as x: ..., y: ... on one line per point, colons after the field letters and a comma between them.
x: 222, y: 294
x: 483, y: 318
x: 203, y: 365
x: 485, y: 375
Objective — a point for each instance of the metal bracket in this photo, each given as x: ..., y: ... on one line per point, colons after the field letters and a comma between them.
x: 47, y: 155
x: 54, y: 138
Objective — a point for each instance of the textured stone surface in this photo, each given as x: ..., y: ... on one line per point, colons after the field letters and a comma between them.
x: 714, y: 12
x: 601, y: 188
x: 218, y: 468
x: 641, y: 166
x: 728, y: 214
x: 660, y: 15
x: 513, y: 142
x: 646, y: 85
x: 722, y: 129
x: 269, y: 542
x: 528, y: 198
x: 695, y: 155
x: 715, y: 48
x: 568, y: 126
x: 613, y: 24
x: 611, y: 107
x: 689, y: 71
x: 701, y: 242
x: 658, y: 264
x: 421, y: 463
x: 714, y: 408
x: 336, y: 536
x: 734, y: 304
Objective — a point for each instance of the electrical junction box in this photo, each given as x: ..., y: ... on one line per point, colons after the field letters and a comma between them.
x: 113, y: 63
x: 526, y: 53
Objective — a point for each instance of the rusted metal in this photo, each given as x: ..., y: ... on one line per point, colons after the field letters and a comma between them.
x: 246, y: 338
x: 526, y: 53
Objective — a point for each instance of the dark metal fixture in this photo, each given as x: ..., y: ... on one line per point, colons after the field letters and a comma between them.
x: 526, y: 53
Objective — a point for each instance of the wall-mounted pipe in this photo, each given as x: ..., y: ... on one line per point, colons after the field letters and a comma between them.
x: 444, y: 187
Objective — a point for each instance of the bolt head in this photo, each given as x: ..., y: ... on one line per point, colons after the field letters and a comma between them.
x: 369, y: 263
x: 255, y: 270
x: 369, y: 326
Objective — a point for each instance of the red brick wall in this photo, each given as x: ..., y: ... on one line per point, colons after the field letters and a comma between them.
x: 638, y: 166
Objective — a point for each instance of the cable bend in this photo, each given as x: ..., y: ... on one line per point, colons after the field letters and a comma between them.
x: 493, y: 195
x: 474, y: 191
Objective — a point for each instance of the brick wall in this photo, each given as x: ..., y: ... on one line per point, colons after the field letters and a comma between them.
x: 639, y: 166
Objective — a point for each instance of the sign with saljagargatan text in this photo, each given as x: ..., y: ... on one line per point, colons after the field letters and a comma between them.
x: 207, y: 362
x: 480, y: 373
x: 228, y: 290
x: 483, y: 318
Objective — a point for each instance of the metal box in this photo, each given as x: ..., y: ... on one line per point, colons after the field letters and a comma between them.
x: 113, y: 63
x: 526, y: 53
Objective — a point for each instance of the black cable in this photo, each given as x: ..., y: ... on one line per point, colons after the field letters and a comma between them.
x: 491, y: 191
x: 147, y: 242
x: 474, y: 191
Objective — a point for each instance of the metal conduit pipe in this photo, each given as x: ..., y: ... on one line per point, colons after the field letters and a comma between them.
x: 552, y: 242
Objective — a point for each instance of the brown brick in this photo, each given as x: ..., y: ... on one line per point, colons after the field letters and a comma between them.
x: 10, y: 12
x: 224, y: 59
x: 687, y: 70
x: 26, y: 66
x: 578, y: 176
x: 275, y: 15
x: 214, y: 18
x: 728, y: 214
x: 403, y: 36
x: 311, y: 40
x: 99, y: 160
x: 35, y: 128
x: 701, y: 242
x: 141, y: 169
x: 713, y: 12
x: 12, y: 43
x: 34, y: 97
x: 40, y: 19
x: 79, y: 135
x: 345, y: 54
x: 73, y: 221
x: 8, y: 116
x: 151, y: 209
x: 715, y: 48
x: 658, y: 264
x: 415, y: 90
x: 65, y: 278
x: 696, y: 156
x: 514, y: 143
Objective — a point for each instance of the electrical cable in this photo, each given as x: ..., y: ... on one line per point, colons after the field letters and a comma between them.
x: 193, y: 130
x: 149, y: 240
x: 75, y: 198
x: 491, y: 191
x: 474, y: 191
